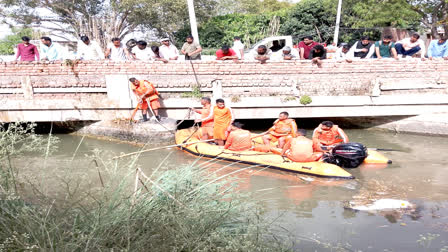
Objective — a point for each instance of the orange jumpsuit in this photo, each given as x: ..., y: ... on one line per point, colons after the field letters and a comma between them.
x: 222, y: 119
x: 328, y: 137
x: 239, y: 140
x: 283, y: 128
x: 206, y: 125
x: 148, y: 91
x: 300, y: 149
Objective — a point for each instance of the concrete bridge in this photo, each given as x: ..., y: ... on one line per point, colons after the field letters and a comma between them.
x: 99, y: 90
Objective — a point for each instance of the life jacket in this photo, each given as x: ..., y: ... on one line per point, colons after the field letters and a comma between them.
x: 205, y: 112
x: 328, y: 137
x: 359, y: 45
x: 146, y: 88
x: 239, y: 140
x: 282, y: 127
x: 301, y: 149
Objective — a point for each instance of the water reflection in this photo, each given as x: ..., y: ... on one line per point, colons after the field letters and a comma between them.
x: 313, y: 207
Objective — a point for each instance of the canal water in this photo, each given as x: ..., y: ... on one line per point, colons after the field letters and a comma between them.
x: 311, y: 212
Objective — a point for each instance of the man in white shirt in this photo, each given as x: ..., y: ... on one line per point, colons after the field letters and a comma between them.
x: 167, y: 50
x: 117, y: 51
x: 89, y: 50
x: 411, y: 46
x: 142, y: 51
x: 238, y: 47
x: 262, y: 54
x: 342, y: 53
x: 50, y: 51
x: 286, y: 54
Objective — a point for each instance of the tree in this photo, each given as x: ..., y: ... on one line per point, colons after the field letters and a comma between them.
x: 434, y: 13
x: 250, y: 27
x: 168, y: 16
x: 309, y: 17
x: 8, y: 44
x: 250, y: 6
x: 97, y: 19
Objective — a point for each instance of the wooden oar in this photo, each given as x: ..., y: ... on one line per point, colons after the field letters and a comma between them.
x: 133, y: 113
x: 163, y: 147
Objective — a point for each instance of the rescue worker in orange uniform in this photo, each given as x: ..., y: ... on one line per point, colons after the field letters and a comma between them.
x: 327, y: 136
x: 222, y: 118
x: 206, y: 126
x: 299, y: 149
x: 238, y: 139
x: 283, y: 128
x: 144, y: 90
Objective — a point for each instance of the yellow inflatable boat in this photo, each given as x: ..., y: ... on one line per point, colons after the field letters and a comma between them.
x: 270, y: 160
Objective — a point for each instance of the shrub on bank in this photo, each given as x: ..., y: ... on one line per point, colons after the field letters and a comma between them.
x: 186, y: 209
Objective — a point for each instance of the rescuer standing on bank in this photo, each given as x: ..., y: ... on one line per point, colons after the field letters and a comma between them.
x: 144, y: 90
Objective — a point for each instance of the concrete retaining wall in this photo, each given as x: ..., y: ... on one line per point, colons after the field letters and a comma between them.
x: 97, y: 90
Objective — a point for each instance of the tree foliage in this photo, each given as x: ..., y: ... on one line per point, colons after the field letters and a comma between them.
x: 250, y: 6
x: 433, y: 13
x: 374, y: 13
x: 97, y: 19
x: 310, y: 17
x: 250, y: 27
x: 9, y: 42
x: 168, y: 16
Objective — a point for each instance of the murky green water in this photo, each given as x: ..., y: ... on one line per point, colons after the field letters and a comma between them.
x: 311, y: 210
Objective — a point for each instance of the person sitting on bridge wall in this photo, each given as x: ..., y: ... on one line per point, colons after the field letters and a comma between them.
x: 50, y: 51
x: 191, y: 49
x: 342, y: 53
x: 27, y: 51
x: 142, y: 51
x: 363, y: 49
x: 238, y: 47
x: 299, y: 149
x: 226, y: 53
x: 167, y: 50
x: 287, y: 54
x: 89, y: 50
x: 262, y: 54
x: 206, y: 126
x: 438, y: 48
x: 238, y: 139
x: 327, y: 135
x: 157, y: 57
x: 305, y: 47
x: 222, y: 118
x: 144, y: 89
x: 411, y: 46
x: 317, y: 54
x: 385, y: 48
x: 283, y: 128
x: 116, y: 51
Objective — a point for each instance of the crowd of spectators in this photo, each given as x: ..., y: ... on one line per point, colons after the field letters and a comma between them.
x: 307, y: 49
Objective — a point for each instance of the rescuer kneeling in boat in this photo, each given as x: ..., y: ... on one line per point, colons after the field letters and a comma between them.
x: 283, y: 128
x: 222, y: 117
x: 238, y: 139
x: 207, y: 125
x: 327, y: 136
x: 144, y: 89
x: 299, y: 149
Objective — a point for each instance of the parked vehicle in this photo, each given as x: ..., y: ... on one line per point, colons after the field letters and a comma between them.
x: 271, y: 42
